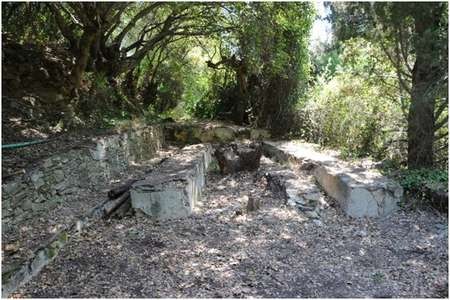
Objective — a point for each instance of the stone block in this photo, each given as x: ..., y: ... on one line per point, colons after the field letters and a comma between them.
x: 173, y: 190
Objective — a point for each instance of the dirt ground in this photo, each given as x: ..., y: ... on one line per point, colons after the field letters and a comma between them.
x: 223, y: 251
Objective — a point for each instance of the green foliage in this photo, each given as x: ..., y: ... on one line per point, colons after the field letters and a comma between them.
x: 419, y: 178
x: 425, y: 188
x: 29, y: 22
x: 101, y: 105
x: 352, y: 109
x: 197, y: 98
x: 326, y: 63
x: 270, y: 59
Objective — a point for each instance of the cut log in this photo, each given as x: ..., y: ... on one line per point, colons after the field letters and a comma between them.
x: 122, y: 210
x: 111, y: 206
x: 234, y: 157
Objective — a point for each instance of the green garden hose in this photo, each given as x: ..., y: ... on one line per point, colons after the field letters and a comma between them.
x: 24, y: 144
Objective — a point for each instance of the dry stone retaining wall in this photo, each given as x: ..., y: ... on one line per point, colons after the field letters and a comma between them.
x: 47, y: 185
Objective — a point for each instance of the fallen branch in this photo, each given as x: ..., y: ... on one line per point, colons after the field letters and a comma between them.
x: 111, y: 206
x: 116, y: 192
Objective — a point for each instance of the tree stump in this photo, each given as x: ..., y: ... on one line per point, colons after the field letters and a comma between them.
x: 253, y: 204
x: 233, y: 158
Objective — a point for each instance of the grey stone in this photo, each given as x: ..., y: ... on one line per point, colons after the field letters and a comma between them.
x: 27, y: 204
x: 22, y: 194
x: 173, y: 192
x: 78, y: 167
x: 99, y: 153
x: 11, y: 187
x: 59, y: 175
x: 36, y: 178
x: 312, y: 214
x: 259, y: 134
x: 7, y: 213
x: 318, y: 222
x: 224, y: 134
x: 312, y: 196
x: 38, y: 207
x: 300, y: 192
x: 361, y: 203
x: 47, y: 163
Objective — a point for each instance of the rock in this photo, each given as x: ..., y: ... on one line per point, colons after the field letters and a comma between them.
x: 224, y: 134
x: 312, y: 214
x: 356, y: 199
x: 27, y: 204
x: 59, y: 175
x: 37, y: 179
x: 37, y: 207
x: 11, y: 187
x: 211, y: 132
x: 361, y: 233
x: 318, y: 222
x: 259, y: 134
x: 99, y: 153
x: 48, y: 184
x: 173, y: 191
x: 234, y: 157
x: 298, y: 191
x: 203, y: 135
x: 11, y: 248
x: 47, y: 163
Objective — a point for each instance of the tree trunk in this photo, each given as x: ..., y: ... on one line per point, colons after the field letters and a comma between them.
x: 421, y: 112
x: 235, y: 158
x: 420, y: 119
x: 82, y: 58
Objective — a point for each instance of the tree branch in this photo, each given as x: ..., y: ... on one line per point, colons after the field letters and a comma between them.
x: 441, y: 123
x: 144, y: 12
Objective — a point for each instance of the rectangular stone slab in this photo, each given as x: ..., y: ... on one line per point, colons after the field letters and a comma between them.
x: 172, y: 191
x: 359, y: 190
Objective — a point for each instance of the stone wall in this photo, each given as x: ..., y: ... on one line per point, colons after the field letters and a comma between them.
x: 48, y: 184
x: 210, y: 132
x: 59, y: 180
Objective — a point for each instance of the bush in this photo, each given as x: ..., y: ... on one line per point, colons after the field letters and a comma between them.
x: 351, y: 110
x: 425, y: 187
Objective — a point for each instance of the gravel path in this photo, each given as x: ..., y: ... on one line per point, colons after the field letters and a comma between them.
x: 223, y: 251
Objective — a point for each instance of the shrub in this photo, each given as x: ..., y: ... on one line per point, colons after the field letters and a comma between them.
x: 425, y: 187
x: 351, y: 110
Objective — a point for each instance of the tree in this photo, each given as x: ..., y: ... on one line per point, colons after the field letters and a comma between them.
x: 267, y: 50
x: 113, y: 38
x: 414, y: 38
